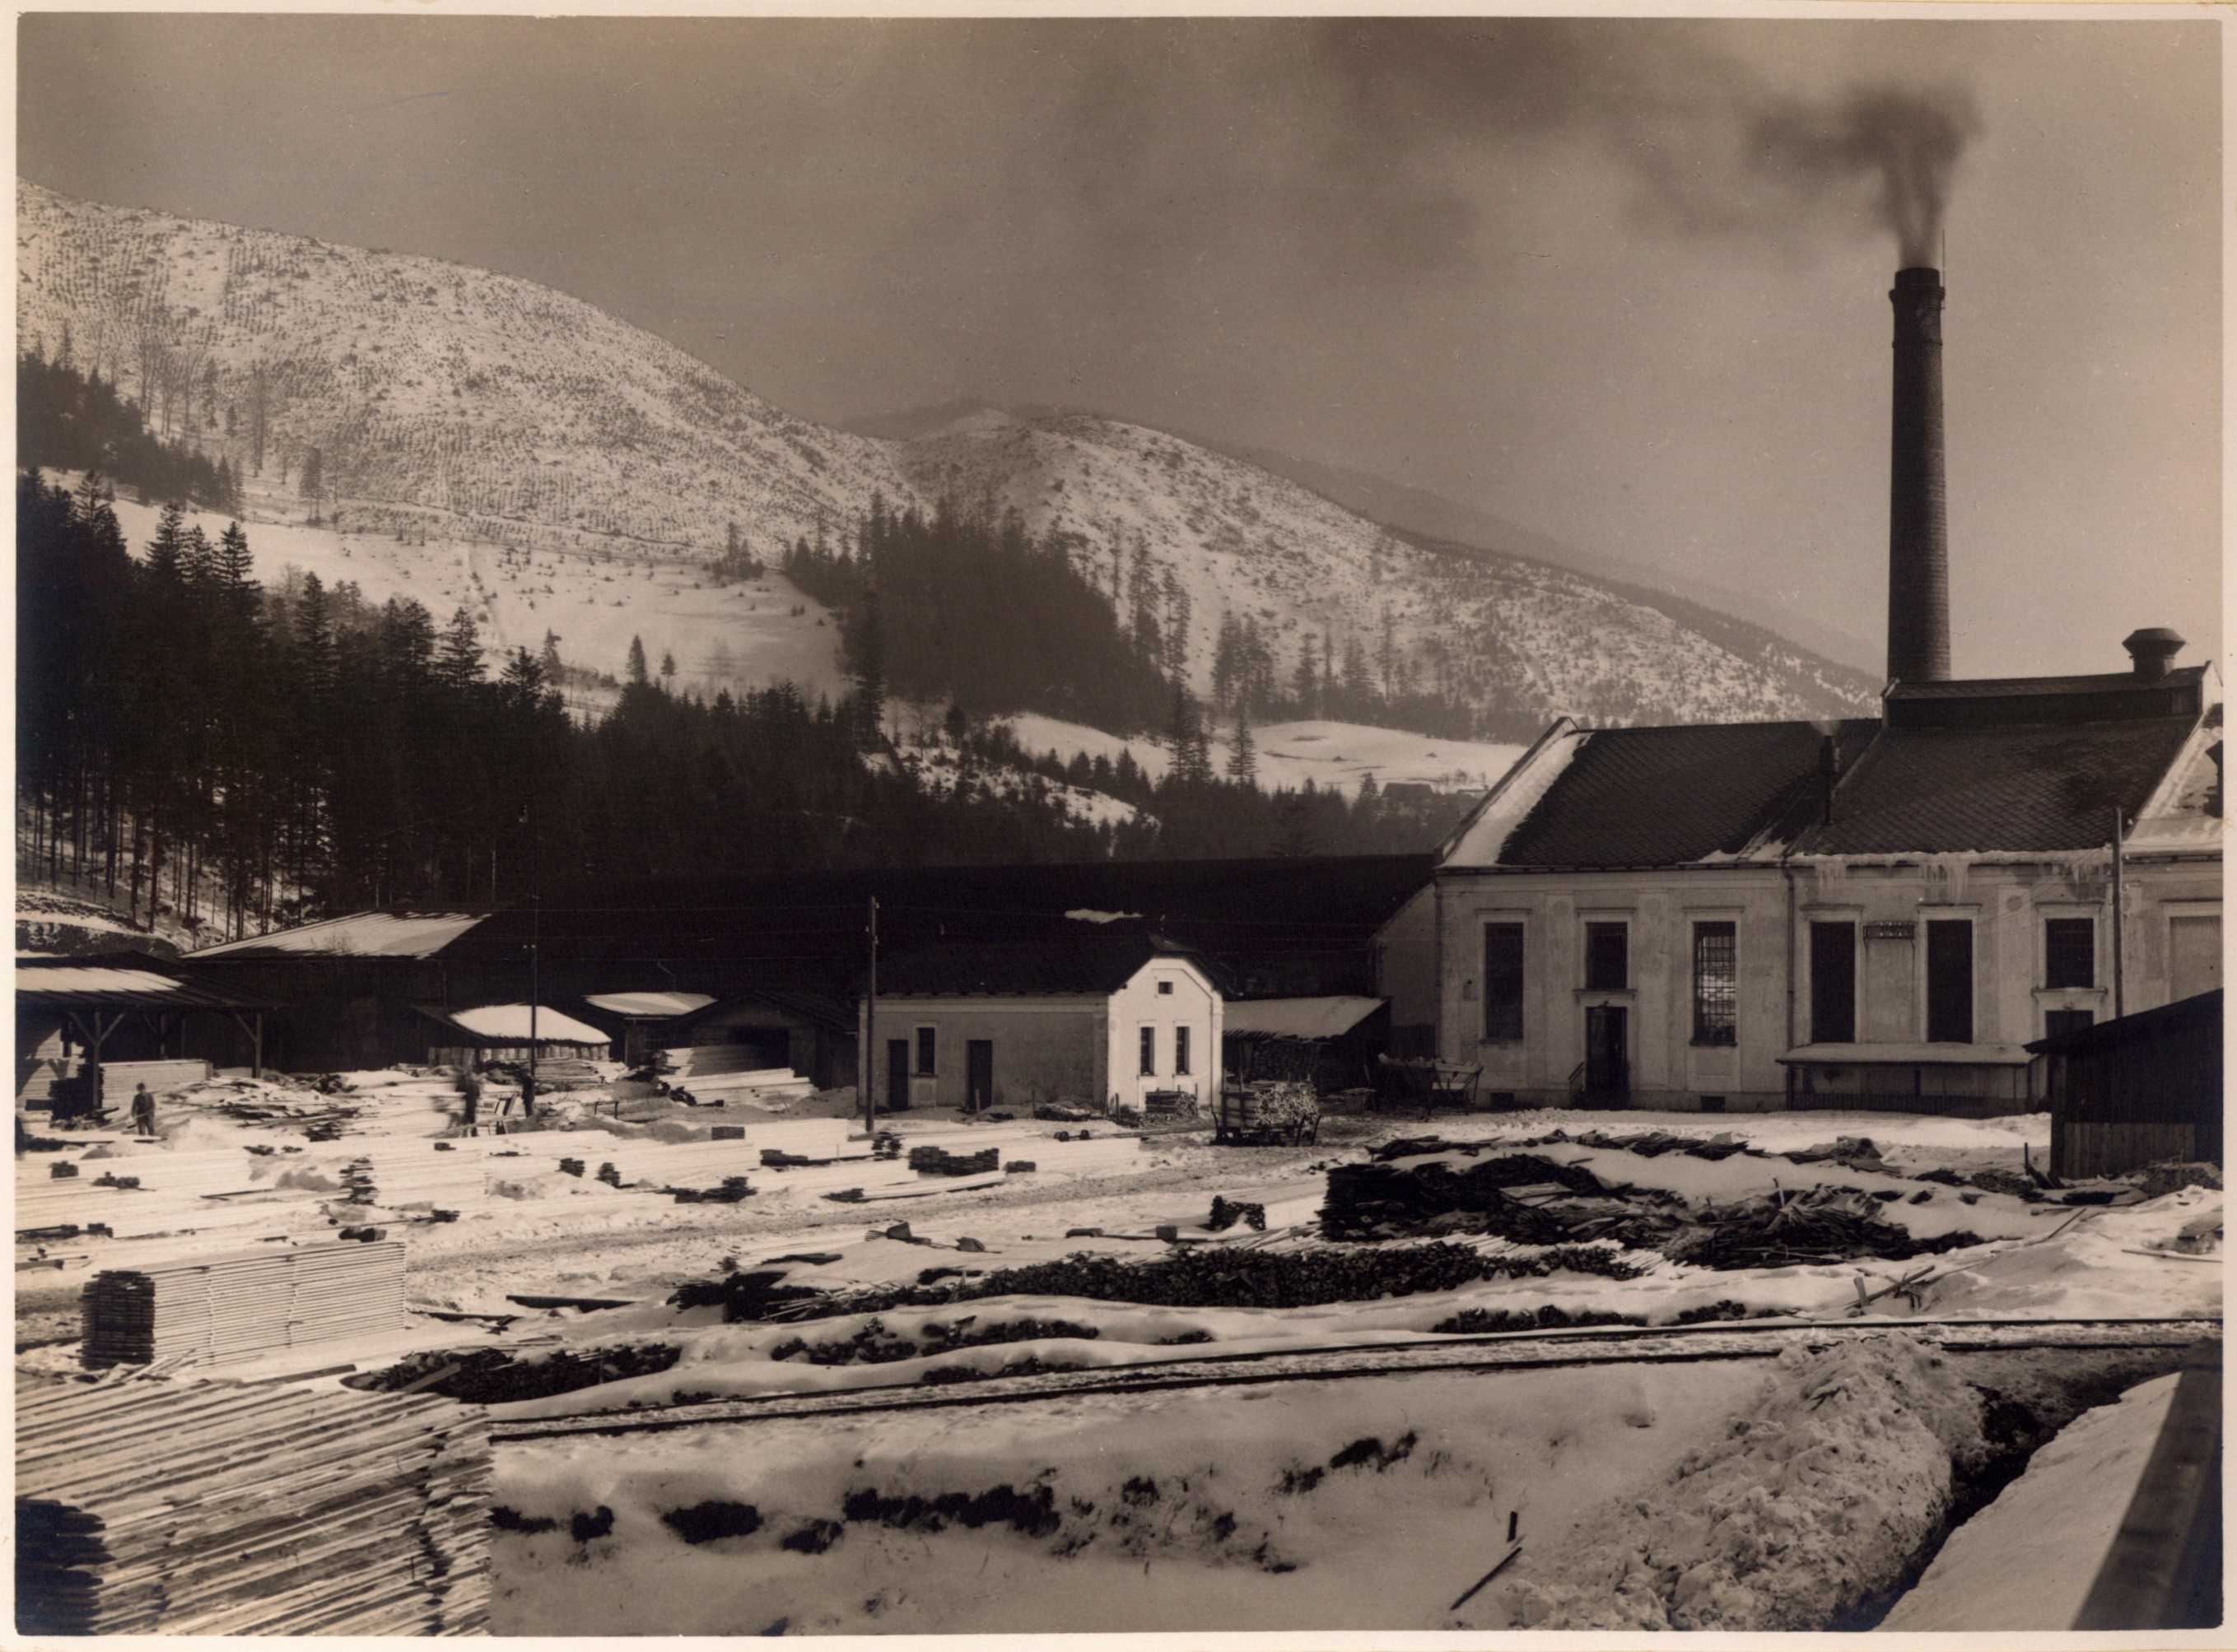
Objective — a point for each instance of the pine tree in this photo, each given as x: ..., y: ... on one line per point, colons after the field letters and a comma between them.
x: 866, y: 647
x: 1242, y: 762
x: 167, y: 551
x: 459, y: 664
x: 635, y: 668
x: 549, y: 659
x: 1306, y: 685
x: 667, y: 670
x: 234, y: 569
x: 314, y: 480
x: 197, y: 559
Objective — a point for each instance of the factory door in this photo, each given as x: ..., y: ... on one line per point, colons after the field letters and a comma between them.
x: 1607, y: 1051
x: 896, y: 1073
x: 978, y: 1075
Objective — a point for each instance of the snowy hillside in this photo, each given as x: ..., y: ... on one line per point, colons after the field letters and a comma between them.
x: 461, y: 400
x: 506, y: 432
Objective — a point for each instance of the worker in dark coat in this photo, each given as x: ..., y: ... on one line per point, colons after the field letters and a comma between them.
x: 143, y: 1112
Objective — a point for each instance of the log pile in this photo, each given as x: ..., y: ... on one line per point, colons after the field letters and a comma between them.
x: 148, y: 1507
x: 935, y: 1161
x: 224, y: 1309
x: 1521, y: 1197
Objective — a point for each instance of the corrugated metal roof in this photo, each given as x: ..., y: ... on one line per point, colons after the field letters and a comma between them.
x: 1297, y: 1017
x: 658, y: 1006
x: 357, y: 935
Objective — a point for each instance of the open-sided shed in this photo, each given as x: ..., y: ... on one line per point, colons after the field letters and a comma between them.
x: 99, y: 1003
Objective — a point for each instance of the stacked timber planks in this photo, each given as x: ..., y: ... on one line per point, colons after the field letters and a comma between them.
x: 215, y: 1509
x: 219, y: 1310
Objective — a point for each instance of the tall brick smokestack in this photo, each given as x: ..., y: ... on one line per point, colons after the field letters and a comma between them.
x: 1918, y: 529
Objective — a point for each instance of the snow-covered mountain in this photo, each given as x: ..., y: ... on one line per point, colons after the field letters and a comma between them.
x: 472, y: 408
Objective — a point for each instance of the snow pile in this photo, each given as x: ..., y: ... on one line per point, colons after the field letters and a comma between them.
x: 2027, y: 1561
x: 1814, y: 1503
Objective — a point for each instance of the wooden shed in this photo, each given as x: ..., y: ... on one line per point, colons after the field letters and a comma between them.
x: 2129, y: 1092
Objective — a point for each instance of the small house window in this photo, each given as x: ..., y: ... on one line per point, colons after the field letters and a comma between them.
x: 926, y: 1048
x: 1607, y: 956
x: 2069, y: 952
x: 1502, y: 983
x: 1149, y: 1052
x: 1165, y: 988
x: 1716, y: 984
x: 1180, y: 1052
x: 1950, y: 980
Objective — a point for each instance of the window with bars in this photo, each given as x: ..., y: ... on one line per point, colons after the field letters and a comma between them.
x: 1607, y: 956
x: 1149, y: 1052
x: 2069, y: 952
x: 1716, y: 982
x: 1502, y: 983
x: 1950, y: 980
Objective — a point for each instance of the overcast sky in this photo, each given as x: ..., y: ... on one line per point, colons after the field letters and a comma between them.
x: 1621, y: 281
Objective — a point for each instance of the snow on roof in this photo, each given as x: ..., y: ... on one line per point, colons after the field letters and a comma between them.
x: 361, y: 934
x: 96, y: 980
x: 511, y: 1021
x: 1299, y: 1017
x: 1090, y: 915
x: 658, y: 1006
x: 1484, y: 834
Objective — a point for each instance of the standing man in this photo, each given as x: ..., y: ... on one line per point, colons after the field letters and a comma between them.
x: 143, y: 1112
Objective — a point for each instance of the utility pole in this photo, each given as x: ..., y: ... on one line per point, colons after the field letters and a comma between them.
x: 535, y: 991
x: 2120, y: 924
x: 870, y: 1032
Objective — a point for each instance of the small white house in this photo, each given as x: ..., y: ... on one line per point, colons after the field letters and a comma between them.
x: 1100, y: 1019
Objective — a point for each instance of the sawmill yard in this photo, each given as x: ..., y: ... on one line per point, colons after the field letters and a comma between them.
x: 746, y: 1369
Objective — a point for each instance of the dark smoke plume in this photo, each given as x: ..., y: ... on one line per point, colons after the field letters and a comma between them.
x: 1903, y: 146
x: 1714, y: 144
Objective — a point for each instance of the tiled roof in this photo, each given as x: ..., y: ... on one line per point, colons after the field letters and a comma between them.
x: 1096, y: 963
x: 2015, y: 787
x: 1666, y: 797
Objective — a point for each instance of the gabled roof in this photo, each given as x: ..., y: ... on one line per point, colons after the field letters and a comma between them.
x: 1666, y: 797
x: 391, y: 934
x: 1096, y: 964
x: 2013, y: 787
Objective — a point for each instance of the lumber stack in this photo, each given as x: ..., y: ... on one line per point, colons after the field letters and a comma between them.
x: 219, y: 1310
x: 153, y: 1507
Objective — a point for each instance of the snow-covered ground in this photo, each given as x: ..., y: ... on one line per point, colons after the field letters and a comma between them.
x: 1333, y: 755
x: 1305, y: 1502
x: 2027, y: 1561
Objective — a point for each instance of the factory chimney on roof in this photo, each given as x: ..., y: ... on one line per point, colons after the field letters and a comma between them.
x: 1918, y: 529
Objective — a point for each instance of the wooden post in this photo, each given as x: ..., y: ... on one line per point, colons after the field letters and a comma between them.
x: 2119, y: 925
x: 869, y: 1062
